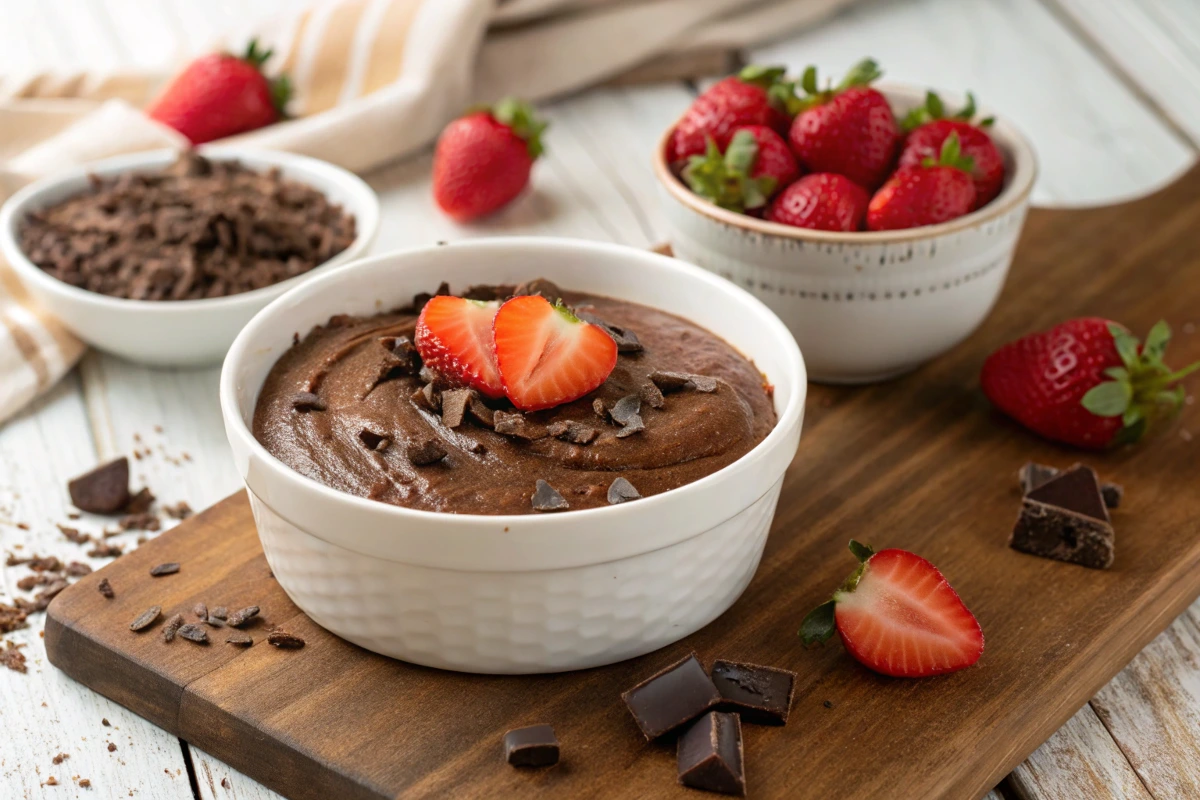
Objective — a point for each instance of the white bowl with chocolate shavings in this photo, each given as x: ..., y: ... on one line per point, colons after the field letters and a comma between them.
x: 517, y: 593
x: 161, y: 257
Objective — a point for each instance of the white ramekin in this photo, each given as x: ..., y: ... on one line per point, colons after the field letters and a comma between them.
x: 864, y: 306
x: 516, y: 594
x: 188, y: 332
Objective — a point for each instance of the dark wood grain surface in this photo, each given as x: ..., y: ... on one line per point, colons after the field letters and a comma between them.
x: 920, y: 463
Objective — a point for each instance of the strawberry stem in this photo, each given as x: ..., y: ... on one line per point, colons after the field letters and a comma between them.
x: 524, y: 122
x: 951, y: 156
x: 724, y: 179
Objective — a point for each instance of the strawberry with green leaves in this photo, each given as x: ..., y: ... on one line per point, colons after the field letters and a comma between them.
x: 929, y: 126
x: 757, y: 95
x: 754, y: 167
x: 931, y: 192
x: 822, y: 201
x: 848, y: 129
x: 897, y: 615
x: 1087, y: 382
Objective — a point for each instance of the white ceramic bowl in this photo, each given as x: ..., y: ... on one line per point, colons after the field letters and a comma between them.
x: 173, y: 333
x: 529, y: 593
x: 864, y: 306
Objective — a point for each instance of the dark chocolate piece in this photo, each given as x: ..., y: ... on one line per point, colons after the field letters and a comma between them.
x: 651, y: 395
x: 171, y: 627
x: 105, y: 588
x: 598, y: 407
x: 1033, y: 475
x: 1065, y: 519
x: 534, y: 746
x: 426, y: 452
x: 547, y: 289
x: 625, y: 410
x: 573, y: 432
x: 373, y: 441
x: 627, y: 340
x: 709, y: 755
x: 407, y: 362
x: 201, y: 611
x: 240, y: 617
x: 170, y: 568
x: 307, y: 401
x: 672, y: 697
x: 146, y: 619
x: 239, y: 638
x: 220, y: 612
x: 284, y: 640
x: 636, y: 425
x: 193, y: 633
x: 104, y: 490
x: 621, y: 491
x: 480, y: 411
x: 454, y: 406
x: 140, y: 502
x: 547, y: 498
x: 427, y: 398
x: 762, y: 695
x: 77, y: 569
x: 514, y: 424
x: 675, y: 381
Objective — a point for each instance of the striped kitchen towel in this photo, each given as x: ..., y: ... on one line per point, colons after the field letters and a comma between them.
x: 374, y: 80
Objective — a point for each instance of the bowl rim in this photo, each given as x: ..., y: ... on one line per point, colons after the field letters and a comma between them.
x: 1015, y: 192
x: 364, y: 200
x: 538, y: 526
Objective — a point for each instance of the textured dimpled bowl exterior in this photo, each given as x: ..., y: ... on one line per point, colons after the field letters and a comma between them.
x: 864, y: 306
x: 529, y: 593
x: 185, y: 333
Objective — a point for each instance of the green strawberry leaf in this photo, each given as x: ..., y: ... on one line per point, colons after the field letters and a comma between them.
x: 808, y: 82
x: 861, y: 74
x: 1117, y: 373
x: 967, y: 111
x: 520, y: 116
x: 1127, y: 346
x: 1157, y: 340
x: 1108, y: 399
x: 820, y: 624
x: 862, y: 552
x: 951, y: 156
x: 761, y: 75
x: 724, y: 179
x: 986, y: 122
x: 741, y: 153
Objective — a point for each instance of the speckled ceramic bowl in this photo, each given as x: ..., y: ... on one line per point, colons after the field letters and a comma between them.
x: 864, y: 306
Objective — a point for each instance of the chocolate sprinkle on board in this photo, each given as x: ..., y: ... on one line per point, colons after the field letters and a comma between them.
x: 172, y: 626
x: 284, y: 640
x: 146, y: 619
x: 547, y: 498
x: 194, y: 633
x: 240, y: 617
x: 104, y: 490
x: 12, y: 657
x: 170, y: 568
x: 424, y: 453
x: 105, y: 588
x: 454, y: 406
x: 11, y: 618
x: 239, y: 638
x: 622, y: 491
x: 307, y: 401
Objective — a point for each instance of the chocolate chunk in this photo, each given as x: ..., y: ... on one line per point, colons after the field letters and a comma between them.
x: 621, y: 491
x: 419, y: 300
x: 480, y: 411
x: 454, y: 406
x: 598, y: 407
x: 1034, y: 475
x: 105, y: 550
x: 625, y: 410
x: 574, y: 432
x: 762, y: 695
x: 672, y: 697
x: 171, y: 627
x: 709, y: 755
x: 534, y: 746
x: 284, y: 640
x: 546, y: 498
x: 77, y: 569
x: 675, y: 381
x: 45, y: 564
x: 427, y: 398
x: 402, y: 347
x: 515, y: 425
x: 425, y: 452
x: 194, y: 633
x: 651, y: 395
x: 373, y: 441
x: 146, y: 618
x: 11, y: 618
x: 213, y: 621
x: 201, y: 611
x: 243, y: 615
x: 12, y: 657
x: 105, y: 588
x: 29, y: 582
x: 220, y: 612
x: 140, y: 503
x: 547, y: 289
x: 635, y: 425
x: 170, y: 568
x: 104, y: 490
x: 307, y: 401
x: 1065, y: 519
x: 487, y: 292
x: 627, y: 340
x: 702, y: 383
x: 239, y: 638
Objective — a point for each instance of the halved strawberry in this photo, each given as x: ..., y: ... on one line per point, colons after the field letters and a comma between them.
x: 898, y: 616
x: 546, y: 355
x: 454, y: 337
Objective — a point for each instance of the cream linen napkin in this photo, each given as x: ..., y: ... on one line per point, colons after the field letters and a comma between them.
x: 374, y: 80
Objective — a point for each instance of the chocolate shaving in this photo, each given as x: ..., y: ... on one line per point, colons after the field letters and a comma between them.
x: 170, y: 568
x: 515, y: 425
x: 540, y: 286
x: 454, y: 406
x: 284, y: 640
x: 29, y: 582
x: 481, y: 412
x: 547, y: 498
x: 307, y: 401
x: 651, y: 395
x: 220, y: 612
x: 622, y: 491
x: 47, y: 564
x: 104, y: 490
x: 172, y: 626
x: 625, y: 410
x: 180, y: 510
x: 240, y: 617
x: 426, y: 452
x: 239, y: 639
x: 105, y: 588
x: 50, y: 592
x: 146, y: 618
x: 573, y: 432
x: 139, y: 522
x: 675, y: 381
x: 627, y: 340
x: 194, y: 633
x: 427, y: 398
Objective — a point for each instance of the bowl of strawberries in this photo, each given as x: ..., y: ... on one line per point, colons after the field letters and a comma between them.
x: 877, y: 220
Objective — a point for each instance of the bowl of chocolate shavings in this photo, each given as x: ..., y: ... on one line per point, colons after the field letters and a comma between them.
x: 162, y: 257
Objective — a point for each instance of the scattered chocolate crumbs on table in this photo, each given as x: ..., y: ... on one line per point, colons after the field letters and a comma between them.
x: 104, y: 721
x: 105, y: 588
x: 105, y: 550
x: 112, y: 748
x: 454, y: 406
x: 180, y: 510
x: 426, y: 452
x: 141, y: 502
x: 29, y: 582
x: 172, y: 626
x: 224, y: 783
x: 77, y: 569
x: 104, y: 490
x: 196, y: 229
x: 140, y: 522
x: 307, y: 401
x: 74, y: 535
x: 200, y: 610
x: 547, y: 498
x: 194, y: 633
x: 12, y: 657
x: 284, y: 640
x: 243, y: 615
x: 46, y: 564
x: 146, y: 619
x: 622, y: 491
x: 239, y: 638
x: 169, y: 568
x: 24, y: 526
x: 58, y: 759
x: 84, y: 783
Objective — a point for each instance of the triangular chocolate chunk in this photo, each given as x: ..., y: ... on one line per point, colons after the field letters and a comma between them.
x: 709, y: 755
x: 1076, y: 490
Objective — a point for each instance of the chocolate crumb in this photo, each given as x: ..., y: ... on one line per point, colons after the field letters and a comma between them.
x: 105, y: 588
x: 200, y: 611
x: 220, y: 612
x: 172, y: 626
x: 454, y: 406
x: 84, y: 783
x: 598, y: 407
x: 828, y: 704
x: 12, y: 657
x: 146, y: 619
x: 621, y: 491
x: 51, y: 781
x: 180, y: 510
x: 58, y: 759
x: 675, y: 381
x: 373, y: 441
x: 105, y: 550
x: 547, y: 498
x: 46, y: 564
x: 50, y: 592
x: 104, y: 721
x: 239, y: 638
x: 194, y: 633
x: 144, y: 521
x: 224, y: 783
x: 11, y: 618
x: 426, y: 452
x: 169, y: 568
x: 307, y: 401
x: 651, y: 395
x: 104, y: 490
x: 140, y: 503
x: 243, y: 615
x: 284, y: 640
x: 627, y: 340
x: 112, y: 748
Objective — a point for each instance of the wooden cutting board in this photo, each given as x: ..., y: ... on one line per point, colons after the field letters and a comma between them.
x: 920, y: 463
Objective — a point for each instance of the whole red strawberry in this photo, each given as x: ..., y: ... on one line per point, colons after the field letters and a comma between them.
x: 926, y: 194
x: 1086, y: 382
x: 220, y: 94
x: 755, y: 96
x: 929, y: 127
x: 822, y: 201
x: 483, y: 160
x: 756, y: 164
x: 848, y: 129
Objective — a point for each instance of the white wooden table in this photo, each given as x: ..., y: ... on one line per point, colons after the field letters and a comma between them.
x: 1109, y: 91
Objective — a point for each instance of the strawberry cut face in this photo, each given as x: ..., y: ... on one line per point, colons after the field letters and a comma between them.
x: 546, y: 355
x: 454, y: 338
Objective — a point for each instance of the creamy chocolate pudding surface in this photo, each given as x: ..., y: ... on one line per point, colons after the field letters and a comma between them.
x: 350, y: 407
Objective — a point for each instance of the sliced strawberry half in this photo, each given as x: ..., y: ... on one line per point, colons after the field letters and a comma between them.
x: 898, y: 616
x: 546, y: 355
x: 454, y: 337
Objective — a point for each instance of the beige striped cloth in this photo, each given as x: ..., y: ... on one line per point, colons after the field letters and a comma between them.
x: 375, y: 80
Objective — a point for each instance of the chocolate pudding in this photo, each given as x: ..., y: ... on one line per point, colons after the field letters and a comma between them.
x: 350, y: 406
